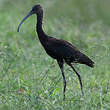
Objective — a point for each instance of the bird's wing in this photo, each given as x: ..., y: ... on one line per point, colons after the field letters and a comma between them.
x: 61, y: 48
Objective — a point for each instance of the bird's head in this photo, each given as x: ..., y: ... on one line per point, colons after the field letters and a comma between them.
x: 35, y: 10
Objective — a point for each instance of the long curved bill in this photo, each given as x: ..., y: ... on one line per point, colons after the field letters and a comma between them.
x: 28, y: 15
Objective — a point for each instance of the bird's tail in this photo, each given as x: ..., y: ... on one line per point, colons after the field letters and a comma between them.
x: 83, y: 59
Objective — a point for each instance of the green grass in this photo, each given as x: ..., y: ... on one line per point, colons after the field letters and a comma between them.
x: 31, y: 80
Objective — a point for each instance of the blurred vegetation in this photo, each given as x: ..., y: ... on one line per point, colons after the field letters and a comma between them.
x: 85, y: 11
x: 30, y: 79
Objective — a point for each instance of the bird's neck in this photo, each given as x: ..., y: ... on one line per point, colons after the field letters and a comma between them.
x: 41, y: 34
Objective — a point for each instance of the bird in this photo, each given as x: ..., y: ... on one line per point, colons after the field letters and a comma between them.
x: 60, y: 50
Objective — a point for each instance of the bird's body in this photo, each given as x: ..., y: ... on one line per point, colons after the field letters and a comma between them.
x: 61, y: 49
x: 58, y: 49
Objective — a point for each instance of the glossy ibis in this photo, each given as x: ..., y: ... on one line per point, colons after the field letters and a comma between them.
x: 58, y: 49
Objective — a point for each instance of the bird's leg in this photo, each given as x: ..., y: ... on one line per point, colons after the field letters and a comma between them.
x: 79, y: 77
x: 64, y: 79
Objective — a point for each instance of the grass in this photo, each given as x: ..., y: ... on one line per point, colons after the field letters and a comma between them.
x: 31, y: 80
